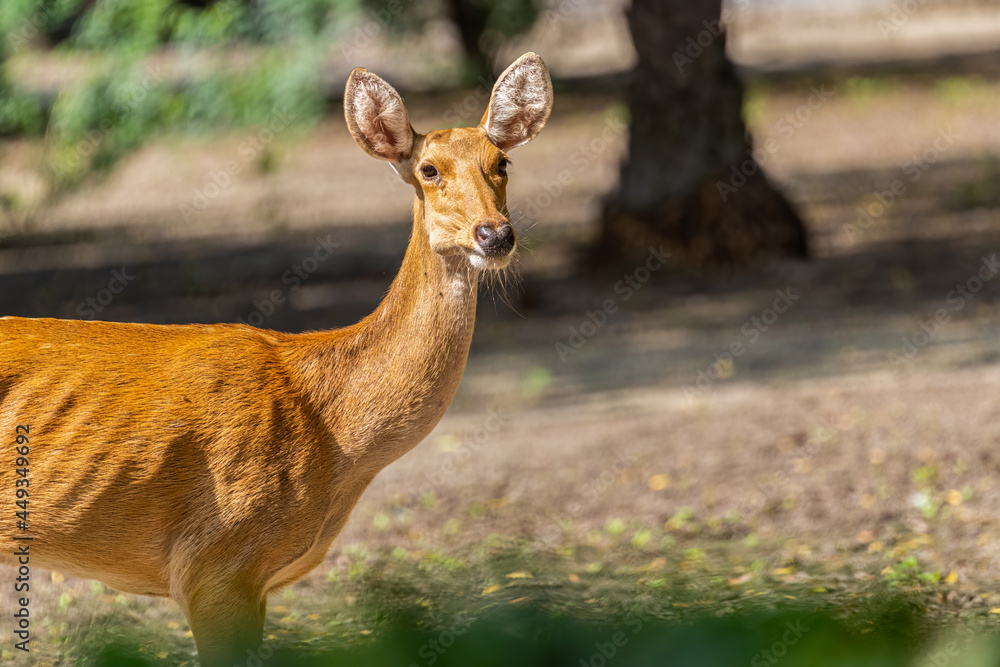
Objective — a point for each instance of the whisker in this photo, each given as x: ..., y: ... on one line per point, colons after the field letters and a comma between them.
x: 528, y: 244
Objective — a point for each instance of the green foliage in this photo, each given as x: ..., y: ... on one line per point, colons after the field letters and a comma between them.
x: 507, y: 17
x: 890, y: 633
x: 20, y: 114
x: 615, y: 527
x: 241, y: 63
x: 908, y: 573
x: 124, y: 26
x: 127, y: 99
x: 981, y: 190
x: 24, y: 22
x: 867, y: 90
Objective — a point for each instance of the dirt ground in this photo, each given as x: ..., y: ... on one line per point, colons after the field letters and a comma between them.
x: 829, y: 444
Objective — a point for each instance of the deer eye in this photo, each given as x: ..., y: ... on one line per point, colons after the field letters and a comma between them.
x: 502, y: 166
x: 429, y: 171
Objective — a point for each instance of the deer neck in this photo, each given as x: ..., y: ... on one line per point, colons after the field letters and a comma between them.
x: 385, y: 382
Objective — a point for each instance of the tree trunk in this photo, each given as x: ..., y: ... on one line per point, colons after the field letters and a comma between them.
x: 678, y: 187
x: 470, y: 19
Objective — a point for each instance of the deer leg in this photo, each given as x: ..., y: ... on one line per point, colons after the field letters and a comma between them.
x: 227, y: 621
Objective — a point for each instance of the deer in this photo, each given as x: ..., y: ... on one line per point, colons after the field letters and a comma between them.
x: 215, y: 463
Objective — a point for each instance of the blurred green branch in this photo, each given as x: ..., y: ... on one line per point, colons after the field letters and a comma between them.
x: 242, y: 61
x: 126, y: 98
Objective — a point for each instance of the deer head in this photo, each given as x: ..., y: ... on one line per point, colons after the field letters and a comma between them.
x: 459, y: 174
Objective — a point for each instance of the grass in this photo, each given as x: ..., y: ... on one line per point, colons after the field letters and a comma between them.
x: 636, y: 601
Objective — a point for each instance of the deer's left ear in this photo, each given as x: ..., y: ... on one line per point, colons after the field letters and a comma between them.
x: 377, y: 117
x: 520, y: 103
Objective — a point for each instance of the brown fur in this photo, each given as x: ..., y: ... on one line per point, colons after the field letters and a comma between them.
x: 216, y: 463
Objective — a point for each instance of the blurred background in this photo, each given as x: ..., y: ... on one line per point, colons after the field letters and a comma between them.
x: 797, y: 408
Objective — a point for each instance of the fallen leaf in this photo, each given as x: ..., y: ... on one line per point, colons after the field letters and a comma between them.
x: 724, y: 369
x: 520, y: 574
x: 654, y: 565
x: 489, y: 589
x: 659, y: 482
x: 864, y: 537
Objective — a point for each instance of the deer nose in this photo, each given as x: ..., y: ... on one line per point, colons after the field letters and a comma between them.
x: 496, y: 240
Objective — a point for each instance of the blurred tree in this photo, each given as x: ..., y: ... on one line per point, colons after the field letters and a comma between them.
x: 484, y: 24
x: 691, y: 182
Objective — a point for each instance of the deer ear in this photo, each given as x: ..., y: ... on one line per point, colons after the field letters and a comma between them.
x: 520, y: 103
x: 376, y: 117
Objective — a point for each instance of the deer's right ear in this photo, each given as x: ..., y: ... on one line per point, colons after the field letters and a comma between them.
x: 376, y: 117
x: 520, y: 103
